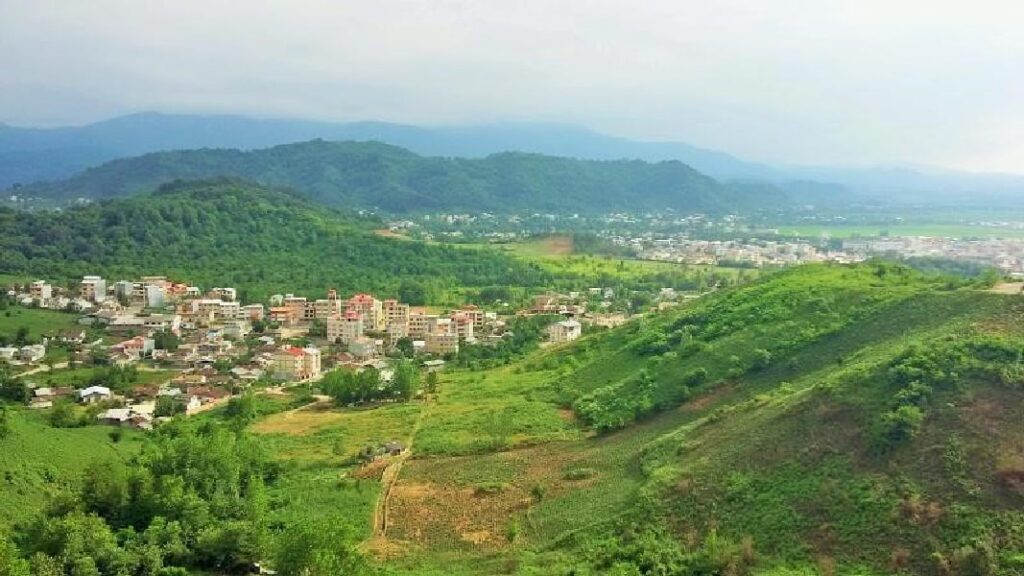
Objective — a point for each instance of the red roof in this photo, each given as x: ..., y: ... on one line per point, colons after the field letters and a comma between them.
x: 293, y: 351
x: 362, y: 298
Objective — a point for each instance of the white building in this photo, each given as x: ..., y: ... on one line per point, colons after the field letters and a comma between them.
x: 564, y: 331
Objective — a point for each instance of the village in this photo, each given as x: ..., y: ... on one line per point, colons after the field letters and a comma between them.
x: 210, y: 346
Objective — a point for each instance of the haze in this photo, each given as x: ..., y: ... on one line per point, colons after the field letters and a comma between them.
x: 916, y: 82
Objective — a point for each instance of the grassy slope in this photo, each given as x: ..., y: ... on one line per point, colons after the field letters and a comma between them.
x: 39, y: 322
x: 37, y: 461
x: 507, y: 481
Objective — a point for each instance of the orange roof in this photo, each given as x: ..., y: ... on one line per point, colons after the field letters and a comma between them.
x: 293, y: 351
x: 362, y: 298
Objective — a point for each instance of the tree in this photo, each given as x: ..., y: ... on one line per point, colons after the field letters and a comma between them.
x: 5, y: 425
x: 168, y: 406
x: 166, y: 340
x: 431, y: 382
x: 62, y: 415
x: 319, y: 548
x: 11, y: 563
x: 21, y: 336
x: 406, y: 380
x: 412, y: 292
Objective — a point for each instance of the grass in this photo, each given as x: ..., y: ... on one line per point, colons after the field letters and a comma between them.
x: 504, y: 479
x: 37, y: 461
x: 39, y: 322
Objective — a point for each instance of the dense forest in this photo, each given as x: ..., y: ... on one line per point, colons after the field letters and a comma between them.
x: 392, y: 179
x: 260, y: 239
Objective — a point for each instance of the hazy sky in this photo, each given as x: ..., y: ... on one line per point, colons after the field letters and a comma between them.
x: 816, y: 81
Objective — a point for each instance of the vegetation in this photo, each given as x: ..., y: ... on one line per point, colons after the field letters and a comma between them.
x: 257, y: 239
x: 375, y: 175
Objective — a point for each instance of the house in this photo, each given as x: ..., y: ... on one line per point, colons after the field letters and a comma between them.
x: 135, y: 348
x: 564, y: 331
x: 253, y: 312
x: 116, y: 416
x: 32, y: 353
x: 8, y: 353
x: 94, y: 394
x: 237, y: 329
x: 394, y: 448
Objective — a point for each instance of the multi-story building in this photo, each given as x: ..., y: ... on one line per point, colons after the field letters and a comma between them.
x: 441, y: 344
x: 475, y: 314
x: 93, y: 289
x: 253, y: 312
x: 294, y: 364
x: 419, y: 322
x: 41, y: 290
x: 463, y: 326
x: 345, y: 328
x: 370, y: 309
x: 154, y: 296
x: 229, y: 294
x: 395, y: 312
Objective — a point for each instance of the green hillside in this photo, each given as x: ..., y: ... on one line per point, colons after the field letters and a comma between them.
x: 825, y: 420
x: 852, y: 420
x: 260, y: 239
x: 375, y: 175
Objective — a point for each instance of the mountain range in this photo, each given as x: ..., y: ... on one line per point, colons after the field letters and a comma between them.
x: 378, y: 176
x: 31, y: 154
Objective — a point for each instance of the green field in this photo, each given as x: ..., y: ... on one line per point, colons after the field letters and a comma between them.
x: 39, y: 322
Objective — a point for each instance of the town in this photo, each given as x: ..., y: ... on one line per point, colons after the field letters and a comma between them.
x: 209, y: 345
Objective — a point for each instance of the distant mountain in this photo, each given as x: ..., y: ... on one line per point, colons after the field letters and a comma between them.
x: 30, y: 155
x: 395, y: 180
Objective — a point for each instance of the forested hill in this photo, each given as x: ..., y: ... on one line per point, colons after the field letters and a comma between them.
x: 392, y: 179
x: 260, y: 239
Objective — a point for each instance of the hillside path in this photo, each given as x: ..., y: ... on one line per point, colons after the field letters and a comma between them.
x: 389, y: 477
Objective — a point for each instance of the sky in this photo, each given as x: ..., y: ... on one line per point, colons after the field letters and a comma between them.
x: 920, y: 82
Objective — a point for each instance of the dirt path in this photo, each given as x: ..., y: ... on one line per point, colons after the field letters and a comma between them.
x: 1008, y: 288
x: 387, y: 481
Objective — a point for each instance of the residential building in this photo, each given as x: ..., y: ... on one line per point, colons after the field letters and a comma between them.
x: 363, y: 348
x: 226, y: 294
x: 136, y: 348
x: 419, y: 322
x: 442, y: 344
x: 155, y: 296
x: 32, y: 353
x: 370, y: 309
x: 93, y: 289
x: 293, y: 364
x: 475, y: 314
x: 396, y: 312
x: 345, y: 328
x: 253, y: 312
x: 41, y: 291
x: 94, y: 394
x: 463, y: 326
x: 564, y: 331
